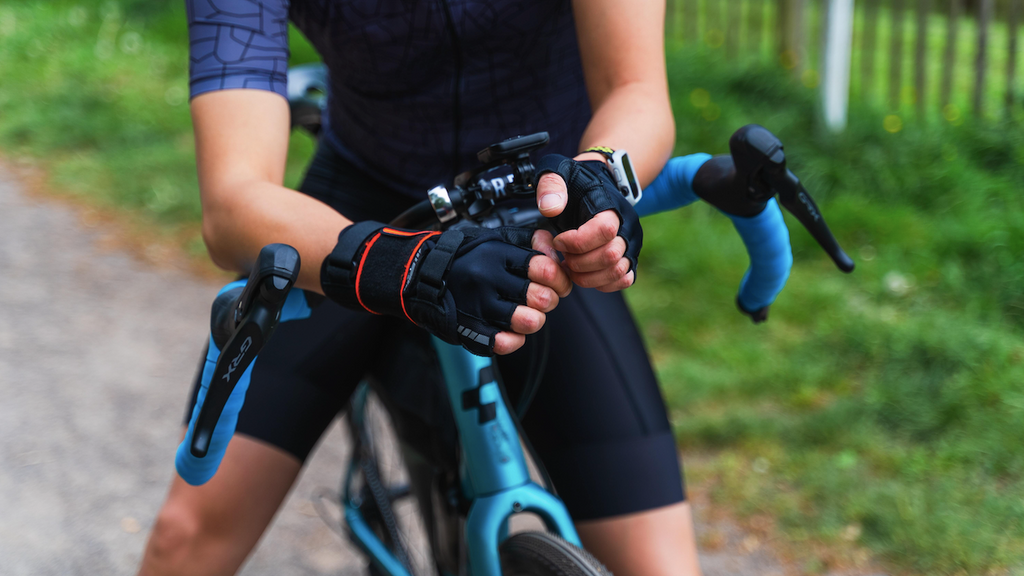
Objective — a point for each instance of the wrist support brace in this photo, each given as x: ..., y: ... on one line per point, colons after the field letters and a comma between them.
x: 462, y: 285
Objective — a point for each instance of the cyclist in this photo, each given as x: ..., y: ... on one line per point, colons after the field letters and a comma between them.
x: 416, y: 88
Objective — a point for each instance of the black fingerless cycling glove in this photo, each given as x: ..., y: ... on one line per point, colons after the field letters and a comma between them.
x: 592, y: 190
x: 461, y: 285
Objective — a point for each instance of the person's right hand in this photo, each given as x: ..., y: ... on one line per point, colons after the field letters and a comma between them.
x: 480, y: 288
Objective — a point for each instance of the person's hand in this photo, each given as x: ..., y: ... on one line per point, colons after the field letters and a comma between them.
x: 548, y: 283
x: 479, y: 288
x: 600, y: 235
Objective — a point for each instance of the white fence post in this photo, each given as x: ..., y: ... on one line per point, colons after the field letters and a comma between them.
x: 838, y: 45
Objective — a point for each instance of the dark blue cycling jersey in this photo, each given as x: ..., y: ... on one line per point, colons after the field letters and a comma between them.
x: 416, y: 87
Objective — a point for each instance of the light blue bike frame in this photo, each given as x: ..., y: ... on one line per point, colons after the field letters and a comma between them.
x: 492, y: 472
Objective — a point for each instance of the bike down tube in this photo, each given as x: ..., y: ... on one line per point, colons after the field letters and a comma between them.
x: 493, y: 468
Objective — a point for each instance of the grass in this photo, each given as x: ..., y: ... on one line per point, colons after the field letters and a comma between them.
x: 878, y: 410
x: 887, y: 403
x: 98, y: 93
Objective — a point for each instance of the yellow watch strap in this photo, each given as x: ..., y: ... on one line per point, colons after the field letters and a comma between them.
x: 606, y: 151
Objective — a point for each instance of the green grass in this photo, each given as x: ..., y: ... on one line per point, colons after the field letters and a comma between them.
x: 98, y: 92
x: 889, y: 401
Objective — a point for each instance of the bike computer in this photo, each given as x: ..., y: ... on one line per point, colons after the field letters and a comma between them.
x: 513, y: 148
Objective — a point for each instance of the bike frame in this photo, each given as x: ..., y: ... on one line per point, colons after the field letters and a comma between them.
x: 493, y: 474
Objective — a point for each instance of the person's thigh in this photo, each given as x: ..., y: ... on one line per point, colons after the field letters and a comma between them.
x: 598, y: 420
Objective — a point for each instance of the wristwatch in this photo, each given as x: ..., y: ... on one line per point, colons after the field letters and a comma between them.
x: 621, y: 170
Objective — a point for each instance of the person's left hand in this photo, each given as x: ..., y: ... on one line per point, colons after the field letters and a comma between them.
x: 595, y: 252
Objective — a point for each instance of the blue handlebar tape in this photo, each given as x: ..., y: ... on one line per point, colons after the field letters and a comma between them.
x: 673, y: 188
x: 197, y: 471
x: 765, y: 235
x: 771, y: 256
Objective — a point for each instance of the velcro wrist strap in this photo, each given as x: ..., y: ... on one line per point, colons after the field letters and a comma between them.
x: 350, y: 241
x: 430, y: 282
x: 338, y: 271
x: 385, y: 269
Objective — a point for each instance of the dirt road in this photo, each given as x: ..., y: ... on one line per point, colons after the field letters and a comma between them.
x: 96, y: 353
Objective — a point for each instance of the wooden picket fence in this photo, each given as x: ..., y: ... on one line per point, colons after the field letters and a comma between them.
x: 940, y: 55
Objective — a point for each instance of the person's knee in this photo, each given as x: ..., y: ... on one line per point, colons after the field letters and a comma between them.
x: 177, y: 533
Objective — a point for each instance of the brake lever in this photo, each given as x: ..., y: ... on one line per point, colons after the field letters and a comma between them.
x: 759, y: 154
x: 243, y: 327
x: 795, y: 198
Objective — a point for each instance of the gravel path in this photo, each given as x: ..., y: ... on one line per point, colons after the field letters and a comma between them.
x: 96, y: 353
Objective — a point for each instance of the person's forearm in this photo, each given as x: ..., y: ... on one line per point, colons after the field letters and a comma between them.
x: 241, y: 147
x: 623, y: 54
x: 236, y: 227
x: 635, y: 117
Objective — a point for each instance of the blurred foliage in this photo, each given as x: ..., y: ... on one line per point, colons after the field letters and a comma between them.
x: 886, y: 404
x: 98, y: 91
x: 874, y: 88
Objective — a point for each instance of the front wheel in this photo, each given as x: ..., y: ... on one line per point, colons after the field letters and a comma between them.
x: 544, y: 554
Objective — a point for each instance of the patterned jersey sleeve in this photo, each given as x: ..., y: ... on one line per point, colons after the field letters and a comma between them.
x: 238, y: 44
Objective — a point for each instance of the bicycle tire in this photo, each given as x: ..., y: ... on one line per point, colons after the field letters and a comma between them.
x: 544, y: 554
x: 381, y: 442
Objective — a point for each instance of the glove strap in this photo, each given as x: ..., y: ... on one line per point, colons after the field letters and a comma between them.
x: 431, y: 284
x: 350, y: 241
x: 338, y: 271
x: 372, y: 265
x: 380, y: 283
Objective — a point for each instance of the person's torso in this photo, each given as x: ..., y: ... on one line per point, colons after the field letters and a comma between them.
x: 417, y: 87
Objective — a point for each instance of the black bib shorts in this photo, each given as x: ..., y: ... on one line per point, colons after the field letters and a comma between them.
x: 597, y: 421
